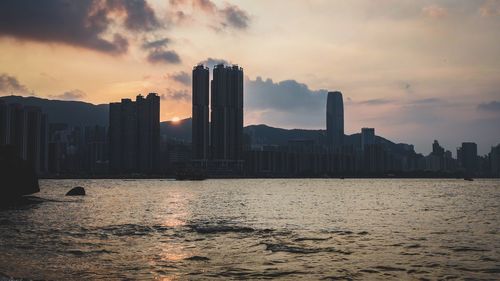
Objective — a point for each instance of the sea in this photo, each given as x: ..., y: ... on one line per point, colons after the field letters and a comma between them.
x: 227, y: 229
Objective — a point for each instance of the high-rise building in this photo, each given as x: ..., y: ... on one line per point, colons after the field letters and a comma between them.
x: 148, y: 118
x: 200, y: 129
x: 495, y: 161
x: 134, y: 135
x: 25, y: 128
x: 437, y: 149
x: 227, y: 113
x: 367, y: 137
x: 335, y: 120
x: 467, y: 157
x: 115, y: 138
x: 36, y: 139
x: 95, y: 150
x: 4, y: 123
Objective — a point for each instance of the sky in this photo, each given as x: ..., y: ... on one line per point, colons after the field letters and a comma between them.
x: 414, y: 70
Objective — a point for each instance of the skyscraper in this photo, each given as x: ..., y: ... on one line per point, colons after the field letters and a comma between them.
x: 148, y: 123
x: 200, y: 113
x: 467, y: 157
x: 335, y: 120
x: 134, y: 135
x: 25, y: 128
x: 4, y: 123
x: 227, y: 113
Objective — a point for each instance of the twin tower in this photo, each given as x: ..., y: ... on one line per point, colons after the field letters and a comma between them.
x: 221, y: 138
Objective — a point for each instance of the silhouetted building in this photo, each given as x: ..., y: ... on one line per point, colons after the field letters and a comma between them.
x: 367, y: 137
x: 467, y: 157
x: 25, y: 128
x: 335, y: 120
x: 148, y: 118
x: 435, y: 161
x: 95, y: 150
x: 495, y: 161
x: 375, y: 158
x: 437, y: 149
x: 227, y: 113
x: 200, y: 113
x: 4, y: 123
x: 36, y: 138
x: 301, y: 146
x: 17, y: 129
x: 134, y: 135
x: 66, y: 152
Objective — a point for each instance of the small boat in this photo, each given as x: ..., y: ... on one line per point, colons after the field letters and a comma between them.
x: 468, y: 179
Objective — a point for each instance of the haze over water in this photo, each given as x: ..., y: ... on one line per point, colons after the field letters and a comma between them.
x: 254, y: 229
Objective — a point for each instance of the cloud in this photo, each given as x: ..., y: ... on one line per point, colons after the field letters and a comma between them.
x: 235, y: 17
x: 164, y: 56
x: 139, y: 15
x: 493, y: 106
x: 9, y: 85
x: 158, y: 53
x: 434, y: 11
x: 70, y: 95
x: 177, y: 95
x: 230, y: 16
x: 160, y: 43
x: 211, y: 62
x: 181, y: 77
x: 85, y: 23
x: 287, y: 103
x: 490, y: 8
x: 205, y: 5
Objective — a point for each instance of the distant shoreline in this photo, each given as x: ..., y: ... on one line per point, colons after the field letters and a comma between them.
x: 243, y: 177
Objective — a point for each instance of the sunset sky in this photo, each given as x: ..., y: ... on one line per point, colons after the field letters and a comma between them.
x: 414, y: 70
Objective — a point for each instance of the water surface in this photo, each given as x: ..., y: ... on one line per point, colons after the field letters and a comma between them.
x: 256, y: 229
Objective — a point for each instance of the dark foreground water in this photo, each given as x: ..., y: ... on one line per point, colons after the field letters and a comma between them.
x: 256, y: 229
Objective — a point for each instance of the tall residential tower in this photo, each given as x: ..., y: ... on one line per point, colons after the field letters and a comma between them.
x: 335, y: 120
x: 134, y: 135
x: 200, y: 133
x: 227, y: 113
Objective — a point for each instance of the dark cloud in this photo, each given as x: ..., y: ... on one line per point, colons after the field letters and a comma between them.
x: 287, y: 103
x: 235, y: 17
x: 70, y: 95
x: 158, y: 52
x: 9, y: 85
x: 78, y: 23
x: 139, y: 15
x: 164, y: 56
x: 211, y: 62
x: 156, y: 43
x: 181, y: 77
x: 180, y: 95
x: 493, y: 106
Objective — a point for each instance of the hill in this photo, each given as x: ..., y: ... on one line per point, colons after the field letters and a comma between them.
x: 77, y: 113
x: 74, y: 113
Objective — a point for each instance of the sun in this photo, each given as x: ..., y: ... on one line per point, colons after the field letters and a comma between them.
x: 176, y: 119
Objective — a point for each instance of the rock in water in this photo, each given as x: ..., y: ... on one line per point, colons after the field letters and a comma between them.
x: 76, y: 191
x: 17, y: 176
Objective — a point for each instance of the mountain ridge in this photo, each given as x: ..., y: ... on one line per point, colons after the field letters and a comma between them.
x: 79, y: 113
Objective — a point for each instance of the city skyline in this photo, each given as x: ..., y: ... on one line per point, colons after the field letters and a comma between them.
x: 436, y: 72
